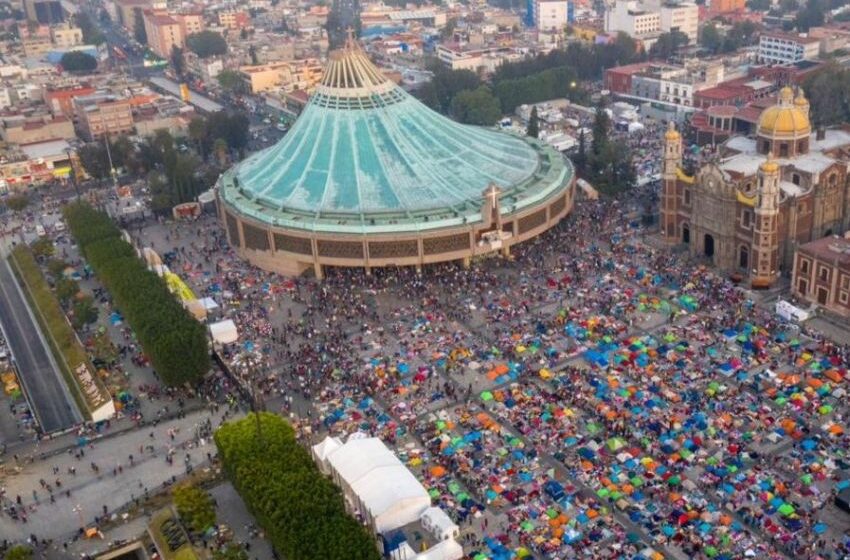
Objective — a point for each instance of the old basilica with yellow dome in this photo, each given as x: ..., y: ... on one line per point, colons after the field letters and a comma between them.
x: 756, y: 199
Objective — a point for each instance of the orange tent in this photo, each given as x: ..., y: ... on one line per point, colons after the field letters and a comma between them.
x: 438, y: 471
x: 834, y: 375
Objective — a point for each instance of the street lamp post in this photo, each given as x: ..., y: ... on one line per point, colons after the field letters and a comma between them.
x: 78, y: 509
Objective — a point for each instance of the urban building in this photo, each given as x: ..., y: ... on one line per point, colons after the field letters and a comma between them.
x: 367, y: 176
x: 483, y: 58
x: 60, y: 101
x: 126, y: 11
x: 822, y: 273
x: 645, y: 21
x: 19, y: 129
x: 235, y: 20
x: 726, y: 6
x: 751, y: 203
x: 66, y: 36
x: 550, y: 15
x: 28, y: 165
x: 163, y: 32
x: 47, y: 12
x: 101, y: 114
x: 783, y: 48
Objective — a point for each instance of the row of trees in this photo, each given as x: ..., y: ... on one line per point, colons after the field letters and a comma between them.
x: 300, y: 509
x: 462, y: 94
x: 174, y: 342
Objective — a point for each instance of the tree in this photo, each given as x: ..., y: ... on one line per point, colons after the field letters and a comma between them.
x: 533, y: 129
x: 710, y: 38
x: 178, y: 62
x: 231, y: 81
x: 449, y: 29
x: 43, y: 247
x: 206, y: 44
x: 83, y: 312
x: 18, y: 552
x: 827, y: 93
x: 668, y: 44
x: 220, y: 150
x: 195, y: 507
x: 17, y: 202
x: 94, y: 160
x: 478, y: 106
x: 78, y: 62
x: 444, y: 85
x: 139, y: 31
x: 252, y: 52
x: 180, y: 353
x: 301, y: 511
x: 810, y: 16
x: 66, y: 289
x: 91, y: 33
x: 56, y: 268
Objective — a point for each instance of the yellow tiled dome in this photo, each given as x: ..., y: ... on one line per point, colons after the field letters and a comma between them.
x: 781, y: 120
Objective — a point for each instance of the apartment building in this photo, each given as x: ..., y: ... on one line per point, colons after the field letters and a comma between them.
x: 66, y: 36
x: 784, y: 48
x: 822, y: 273
x: 102, y: 114
x: 646, y: 20
x: 166, y: 30
x: 550, y: 15
x: 233, y: 19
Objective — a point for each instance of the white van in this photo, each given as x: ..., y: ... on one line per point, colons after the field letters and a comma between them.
x: 39, y: 230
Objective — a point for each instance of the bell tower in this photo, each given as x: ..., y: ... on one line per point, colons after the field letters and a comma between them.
x: 765, y: 266
x: 669, y: 189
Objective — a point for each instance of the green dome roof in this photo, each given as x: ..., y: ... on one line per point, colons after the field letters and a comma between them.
x: 363, y: 146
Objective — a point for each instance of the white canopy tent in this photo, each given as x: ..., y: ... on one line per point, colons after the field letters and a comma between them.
x: 379, y: 485
x: 224, y: 332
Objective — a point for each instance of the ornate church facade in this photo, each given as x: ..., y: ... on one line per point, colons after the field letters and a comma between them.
x: 750, y: 205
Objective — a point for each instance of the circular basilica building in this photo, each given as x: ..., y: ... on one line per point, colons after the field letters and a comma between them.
x: 368, y: 177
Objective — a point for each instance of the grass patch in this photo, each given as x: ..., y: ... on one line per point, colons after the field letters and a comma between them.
x: 58, y: 333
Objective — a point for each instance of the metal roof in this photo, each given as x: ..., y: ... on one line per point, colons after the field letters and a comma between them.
x: 364, y: 148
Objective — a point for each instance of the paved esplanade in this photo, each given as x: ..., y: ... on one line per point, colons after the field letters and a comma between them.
x: 53, y: 406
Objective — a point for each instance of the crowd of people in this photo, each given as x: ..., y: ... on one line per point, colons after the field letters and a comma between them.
x: 593, y: 394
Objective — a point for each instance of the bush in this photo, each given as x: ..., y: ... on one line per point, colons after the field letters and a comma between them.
x: 300, y: 509
x: 195, y: 507
x: 18, y: 552
x: 173, y: 340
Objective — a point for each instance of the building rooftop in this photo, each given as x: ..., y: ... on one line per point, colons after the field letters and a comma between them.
x: 365, y: 154
x: 832, y: 249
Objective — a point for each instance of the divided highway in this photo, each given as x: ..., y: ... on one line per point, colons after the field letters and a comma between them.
x: 53, y: 406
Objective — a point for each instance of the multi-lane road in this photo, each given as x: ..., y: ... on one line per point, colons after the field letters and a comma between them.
x: 52, y: 404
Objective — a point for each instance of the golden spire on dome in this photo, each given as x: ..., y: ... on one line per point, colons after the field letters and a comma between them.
x: 672, y: 134
x: 769, y: 165
x: 786, y: 95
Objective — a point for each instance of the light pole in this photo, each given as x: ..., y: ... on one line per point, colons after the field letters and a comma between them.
x: 78, y: 509
x: 70, y: 153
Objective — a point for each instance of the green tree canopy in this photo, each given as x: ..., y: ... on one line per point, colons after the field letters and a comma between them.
x: 83, y: 312
x: 812, y: 15
x: 668, y: 44
x: 66, y: 289
x: 18, y: 552
x: 478, y: 106
x: 195, y: 507
x: 533, y: 129
x: 78, y: 62
x: 206, y: 44
x: 827, y: 90
x: 300, y: 509
x: 710, y: 38
x: 231, y: 81
x: 173, y: 340
x: 17, y: 202
x: 43, y: 247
